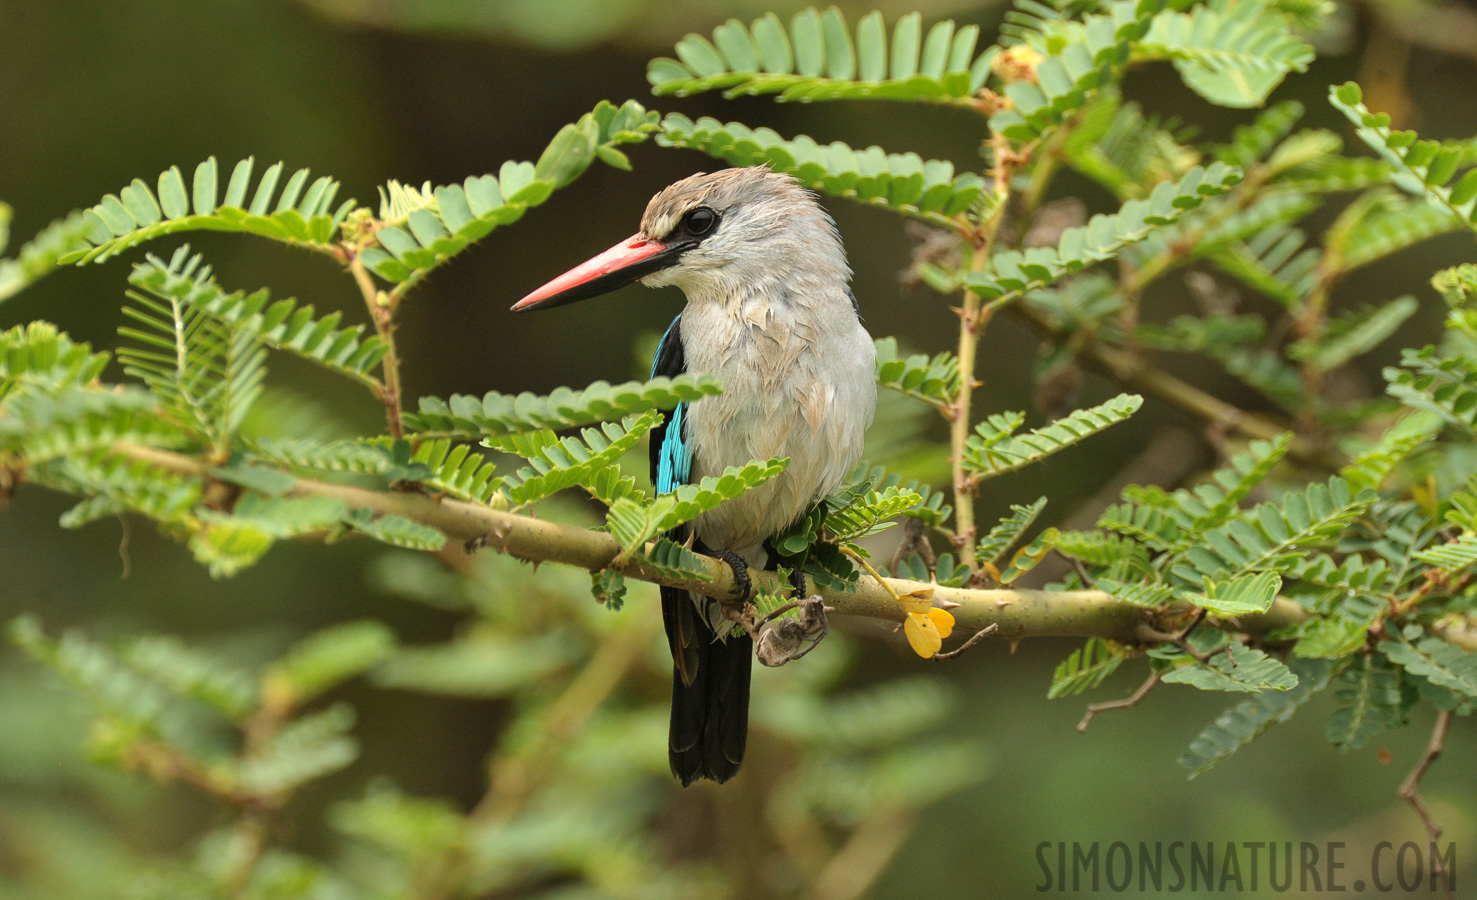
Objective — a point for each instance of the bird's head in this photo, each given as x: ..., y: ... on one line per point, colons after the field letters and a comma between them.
x: 712, y: 235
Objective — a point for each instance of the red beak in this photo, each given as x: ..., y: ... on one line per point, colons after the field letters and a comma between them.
x: 633, y: 258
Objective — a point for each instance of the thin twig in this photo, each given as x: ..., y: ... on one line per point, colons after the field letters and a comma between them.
x: 1128, y: 702
x: 382, y: 314
x: 973, y: 639
x: 1410, y: 792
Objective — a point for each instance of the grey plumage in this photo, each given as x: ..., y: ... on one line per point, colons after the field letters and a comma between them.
x: 769, y: 314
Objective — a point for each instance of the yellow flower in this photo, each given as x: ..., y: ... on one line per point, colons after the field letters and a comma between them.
x: 926, y: 630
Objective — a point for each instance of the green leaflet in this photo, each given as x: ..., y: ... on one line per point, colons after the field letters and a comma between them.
x: 41, y: 255
x: 229, y: 542
x: 1421, y: 167
x: 994, y: 448
x: 1445, y: 385
x: 459, y: 470
x: 1241, y: 669
x: 1230, y: 53
x: 191, y: 673
x: 818, y: 59
x: 1209, y: 504
x: 119, y: 692
x: 932, y: 507
x: 1238, y: 596
x: 326, y: 659
x: 1354, y: 333
x: 1371, y: 704
x: 497, y: 415
x: 304, y: 750
x: 933, y: 380
x: 395, y: 530
x: 1434, y: 659
x: 483, y: 662
x: 870, y: 514
x: 1250, y: 719
x: 904, y: 182
x: 301, y: 215
x: 1271, y: 533
x: 424, y: 228
x: 1079, y: 58
x: 634, y: 522
x: 558, y: 464
x: 1013, y: 272
x: 282, y: 325
x: 39, y: 353
x: 40, y: 425
x: 1007, y: 531
x: 1084, y: 669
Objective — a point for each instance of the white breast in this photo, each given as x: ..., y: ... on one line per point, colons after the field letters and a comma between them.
x: 797, y: 382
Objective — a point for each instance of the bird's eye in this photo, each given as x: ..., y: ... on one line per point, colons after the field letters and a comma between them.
x: 700, y: 221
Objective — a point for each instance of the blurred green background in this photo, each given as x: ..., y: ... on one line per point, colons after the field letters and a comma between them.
x: 97, y: 93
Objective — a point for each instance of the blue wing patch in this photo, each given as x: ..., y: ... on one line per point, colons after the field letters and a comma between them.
x: 671, y: 457
x: 675, y: 463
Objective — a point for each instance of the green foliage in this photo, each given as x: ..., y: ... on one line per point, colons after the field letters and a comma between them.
x: 499, y: 415
x: 1421, y: 167
x: 1370, y: 705
x: 1250, y: 719
x: 932, y: 508
x: 326, y: 659
x: 1014, y: 272
x: 396, y: 531
x: 207, y: 372
x: 424, y: 228
x: 303, y: 214
x: 904, y: 182
x: 995, y: 449
x: 933, y: 380
x: 1272, y: 534
x: 634, y: 522
x: 1007, y: 531
x: 1239, y: 596
x: 1084, y: 669
x: 1231, y: 53
x: 41, y: 425
x: 1240, y: 669
x: 817, y: 59
x: 454, y: 468
x: 189, y: 289
x: 40, y: 354
x: 870, y: 514
x: 556, y: 464
x: 1353, y: 334
x: 1445, y: 385
x: 41, y: 255
x: 1078, y: 58
x: 1436, y: 660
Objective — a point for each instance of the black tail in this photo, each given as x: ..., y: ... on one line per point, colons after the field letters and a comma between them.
x: 710, y: 693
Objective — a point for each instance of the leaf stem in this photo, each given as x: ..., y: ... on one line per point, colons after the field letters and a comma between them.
x: 382, y: 313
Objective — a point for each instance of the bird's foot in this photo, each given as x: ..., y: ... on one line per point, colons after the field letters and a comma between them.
x: 740, y: 567
x: 780, y: 640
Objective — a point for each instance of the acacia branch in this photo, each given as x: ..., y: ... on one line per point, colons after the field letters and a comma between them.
x: 1016, y: 614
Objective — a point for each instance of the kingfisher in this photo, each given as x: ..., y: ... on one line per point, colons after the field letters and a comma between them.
x: 770, y: 314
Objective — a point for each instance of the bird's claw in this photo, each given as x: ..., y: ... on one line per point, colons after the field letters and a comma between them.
x: 740, y: 567
x: 781, y: 640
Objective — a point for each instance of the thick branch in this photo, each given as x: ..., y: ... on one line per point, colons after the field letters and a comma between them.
x: 1016, y: 613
